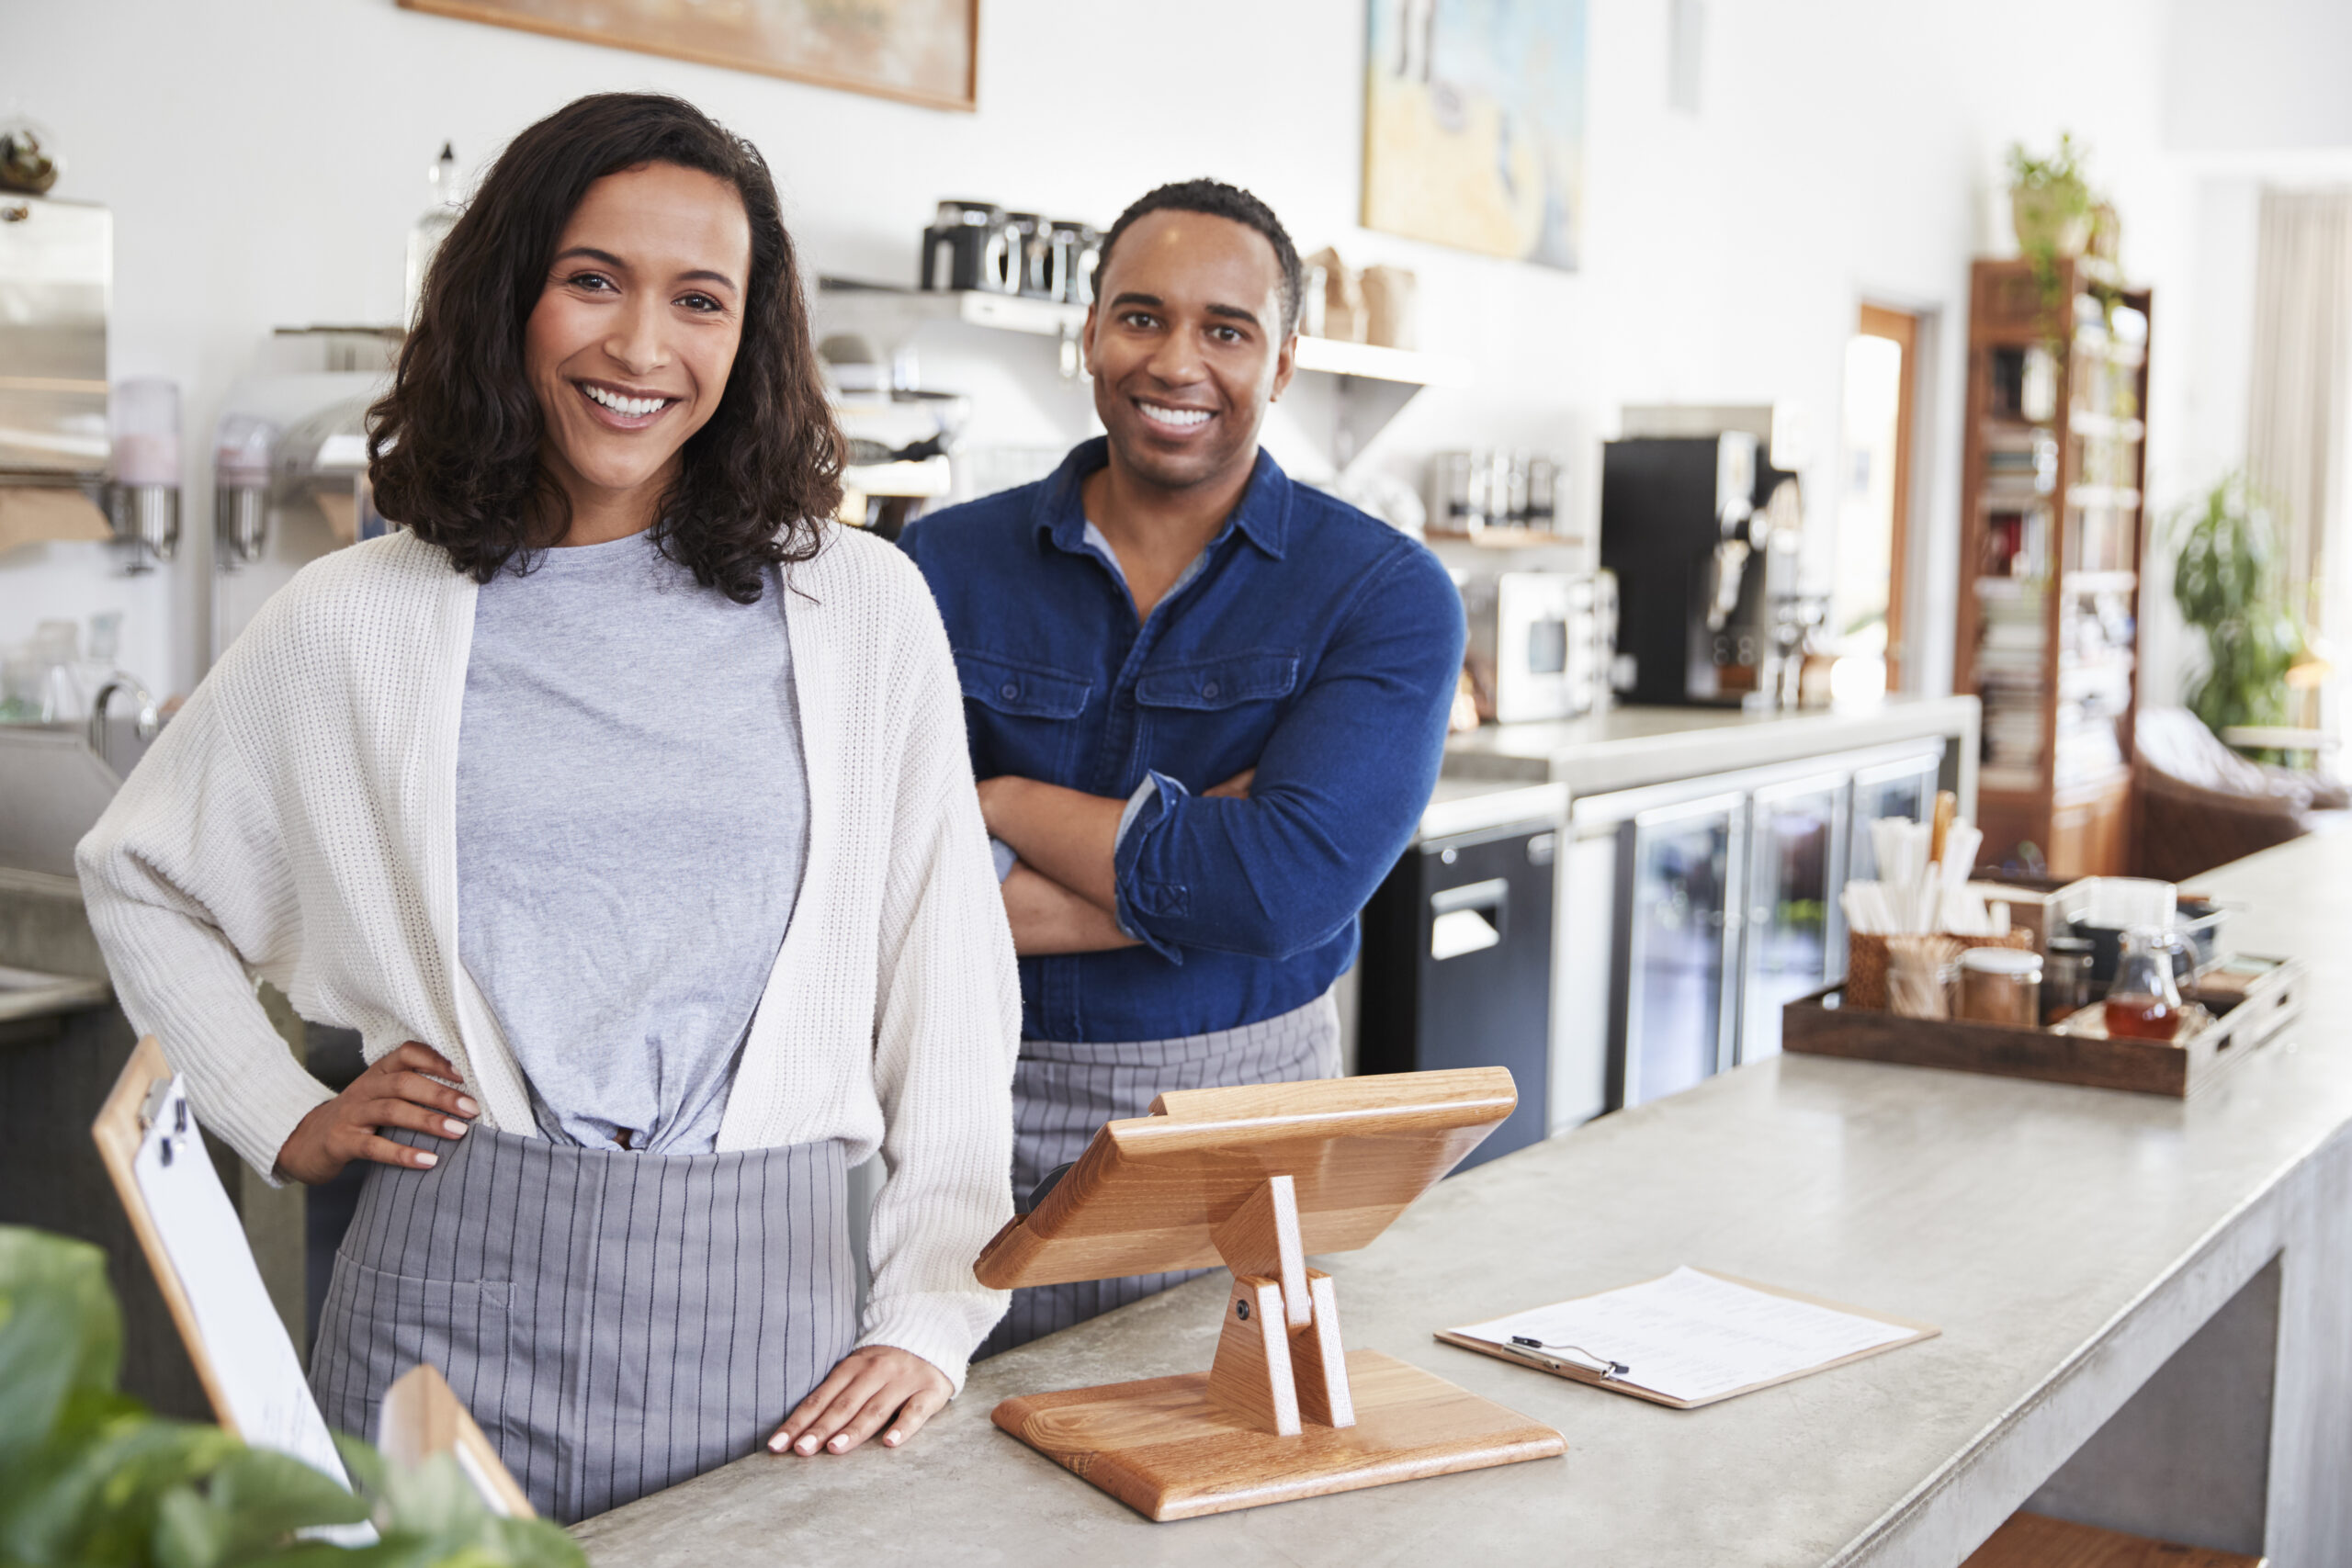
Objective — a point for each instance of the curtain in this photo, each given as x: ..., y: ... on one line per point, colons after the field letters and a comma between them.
x: 2299, y: 446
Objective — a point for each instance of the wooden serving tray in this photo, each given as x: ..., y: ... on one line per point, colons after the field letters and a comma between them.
x: 1820, y: 1025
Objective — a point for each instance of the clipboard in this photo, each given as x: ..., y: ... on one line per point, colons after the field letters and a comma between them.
x: 1628, y: 1384
x: 153, y: 1151
x: 422, y: 1416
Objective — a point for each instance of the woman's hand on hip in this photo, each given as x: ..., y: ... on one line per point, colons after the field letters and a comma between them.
x: 872, y: 1387
x: 395, y: 1091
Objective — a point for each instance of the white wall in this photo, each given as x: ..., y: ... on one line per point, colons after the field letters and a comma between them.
x: 2261, y: 75
x: 264, y: 157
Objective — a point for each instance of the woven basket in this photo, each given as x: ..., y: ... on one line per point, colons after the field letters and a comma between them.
x: 1866, y: 963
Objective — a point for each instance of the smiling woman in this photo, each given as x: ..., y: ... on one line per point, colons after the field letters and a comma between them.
x: 614, y: 337
x: 622, y: 804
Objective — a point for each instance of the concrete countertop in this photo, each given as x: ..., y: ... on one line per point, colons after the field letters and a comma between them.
x: 31, y: 993
x: 49, y: 962
x: 1470, y: 805
x: 1629, y: 746
x: 2066, y: 1240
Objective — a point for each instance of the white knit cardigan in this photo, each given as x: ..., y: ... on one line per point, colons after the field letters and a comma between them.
x: 297, y: 821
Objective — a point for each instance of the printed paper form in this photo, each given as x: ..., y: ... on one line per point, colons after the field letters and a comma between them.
x: 244, y: 1337
x: 1692, y: 1337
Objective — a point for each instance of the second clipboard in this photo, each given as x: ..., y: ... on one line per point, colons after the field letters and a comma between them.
x: 1562, y: 1361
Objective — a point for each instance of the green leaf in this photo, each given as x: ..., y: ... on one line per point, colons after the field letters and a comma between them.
x: 436, y: 1499
x: 535, y: 1543
x: 365, y: 1462
x: 267, y: 1496
x: 89, y: 1479
x: 406, y: 1553
x: 2228, y: 583
x: 190, y: 1531
x: 93, y: 1498
x: 59, y: 1334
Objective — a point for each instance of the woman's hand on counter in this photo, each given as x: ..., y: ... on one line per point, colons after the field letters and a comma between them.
x: 873, y: 1386
x: 395, y: 1091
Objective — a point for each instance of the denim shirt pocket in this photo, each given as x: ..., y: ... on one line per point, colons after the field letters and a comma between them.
x: 1210, y: 717
x: 1024, y: 717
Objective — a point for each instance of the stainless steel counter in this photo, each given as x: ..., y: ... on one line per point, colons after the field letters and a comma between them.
x: 2067, y: 1241
x: 1631, y: 746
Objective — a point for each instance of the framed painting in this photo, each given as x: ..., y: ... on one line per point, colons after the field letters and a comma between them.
x: 920, y: 51
x: 1474, y: 125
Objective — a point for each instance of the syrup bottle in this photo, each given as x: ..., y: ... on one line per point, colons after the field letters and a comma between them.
x: 2143, y: 1002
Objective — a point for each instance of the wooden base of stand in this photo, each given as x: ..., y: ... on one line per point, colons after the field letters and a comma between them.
x: 1164, y: 1449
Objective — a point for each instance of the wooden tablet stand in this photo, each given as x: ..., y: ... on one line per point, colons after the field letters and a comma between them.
x: 1256, y: 1178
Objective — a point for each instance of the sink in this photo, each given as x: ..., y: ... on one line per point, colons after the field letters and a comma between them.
x: 29, y: 993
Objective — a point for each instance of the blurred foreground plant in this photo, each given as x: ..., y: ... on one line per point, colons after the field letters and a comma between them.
x: 89, y: 1478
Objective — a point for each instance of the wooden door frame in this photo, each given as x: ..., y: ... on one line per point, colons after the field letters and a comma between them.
x: 1905, y: 327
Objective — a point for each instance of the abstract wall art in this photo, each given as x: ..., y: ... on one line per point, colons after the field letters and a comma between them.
x: 1474, y: 125
x: 921, y: 51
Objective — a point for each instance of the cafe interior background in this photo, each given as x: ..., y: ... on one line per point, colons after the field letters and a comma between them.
x: 1774, y: 222
x: 1750, y: 174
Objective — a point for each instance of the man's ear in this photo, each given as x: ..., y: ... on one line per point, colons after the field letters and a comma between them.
x: 1086, y: 340
x: 1286, y: 366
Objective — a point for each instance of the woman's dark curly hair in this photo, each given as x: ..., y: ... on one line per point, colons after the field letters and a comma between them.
x: 453, y: 449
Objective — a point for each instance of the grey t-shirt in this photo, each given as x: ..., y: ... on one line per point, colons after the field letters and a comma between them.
x: 632, y: 826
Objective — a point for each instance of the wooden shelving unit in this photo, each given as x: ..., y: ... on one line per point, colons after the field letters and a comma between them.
x: 2036, y: 1541
x: 2053, y: 525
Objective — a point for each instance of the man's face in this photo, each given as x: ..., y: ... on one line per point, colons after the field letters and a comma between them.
x: 1187, y: 346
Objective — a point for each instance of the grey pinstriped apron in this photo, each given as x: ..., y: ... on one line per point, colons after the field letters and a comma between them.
x: 1062, y: 1091
x: 615, y: 1322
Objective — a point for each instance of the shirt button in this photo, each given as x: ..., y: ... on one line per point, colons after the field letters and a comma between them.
x: 1209, y: 690
x: 1008, y: 691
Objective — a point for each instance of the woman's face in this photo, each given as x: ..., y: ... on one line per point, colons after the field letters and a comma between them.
x: 630, y: 345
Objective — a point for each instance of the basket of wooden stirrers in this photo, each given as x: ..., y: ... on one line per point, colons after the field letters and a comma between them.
x: 1869, y: 977
x: 1921, y: 903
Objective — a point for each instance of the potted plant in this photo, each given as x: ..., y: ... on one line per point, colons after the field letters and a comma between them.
x: 2227, y: 581
x: 2050, y: 202
x: 89, y: 1478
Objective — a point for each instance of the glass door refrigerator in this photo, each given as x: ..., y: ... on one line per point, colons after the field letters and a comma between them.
x: 1906, y: 789
x: 1718, y: 898
x: 1796, y: 838
x: 1678, y: 947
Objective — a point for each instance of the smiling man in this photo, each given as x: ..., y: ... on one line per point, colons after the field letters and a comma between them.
x: 1205, y: 707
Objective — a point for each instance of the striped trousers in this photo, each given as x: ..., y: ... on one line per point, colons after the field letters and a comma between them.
x: 1062, y: 1091
x: 618, y: 1323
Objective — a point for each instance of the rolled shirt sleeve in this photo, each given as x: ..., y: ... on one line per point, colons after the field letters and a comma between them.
x: 1337, y: 794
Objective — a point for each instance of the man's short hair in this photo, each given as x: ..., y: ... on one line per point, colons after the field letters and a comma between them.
x: 1219, y: 200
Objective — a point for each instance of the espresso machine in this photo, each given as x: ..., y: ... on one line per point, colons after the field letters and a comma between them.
x: 1705, y: 539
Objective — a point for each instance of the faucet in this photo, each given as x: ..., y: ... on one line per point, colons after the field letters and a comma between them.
x: 149, y: 722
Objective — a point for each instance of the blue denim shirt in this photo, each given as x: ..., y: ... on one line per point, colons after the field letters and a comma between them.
x: 1315, y: 643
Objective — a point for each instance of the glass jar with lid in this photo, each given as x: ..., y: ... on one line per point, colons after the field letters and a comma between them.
x: 2001, y: 985
x: 2067, y: 976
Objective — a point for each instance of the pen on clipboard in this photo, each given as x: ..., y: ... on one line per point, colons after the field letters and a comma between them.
x: 1610, y: 1370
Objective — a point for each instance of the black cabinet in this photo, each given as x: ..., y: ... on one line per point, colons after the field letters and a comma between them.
x: 1457, y: 969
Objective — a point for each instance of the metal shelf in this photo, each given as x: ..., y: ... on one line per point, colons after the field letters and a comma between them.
x: 1373, y: 383
x: 1403, y: 366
